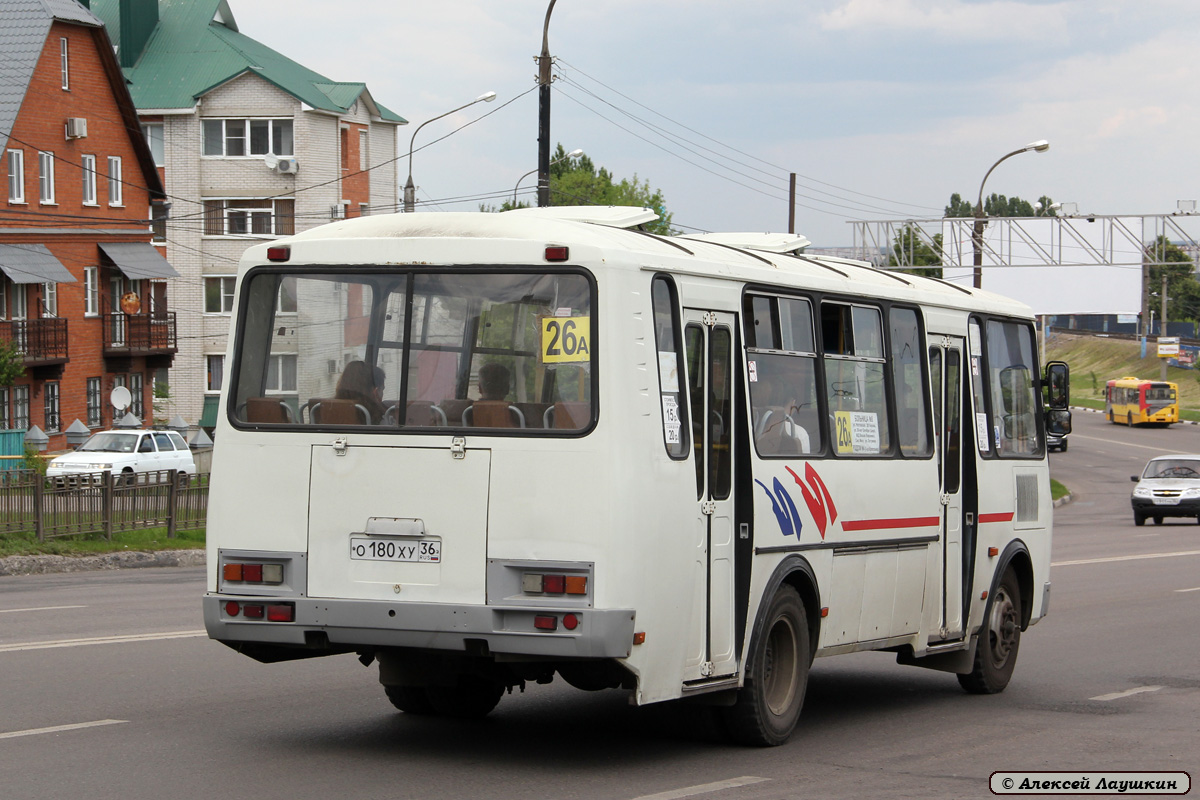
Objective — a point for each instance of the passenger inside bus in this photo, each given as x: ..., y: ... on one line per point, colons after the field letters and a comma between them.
x: 783, y: 409
x: 362, y: 385
x: 492, y: 409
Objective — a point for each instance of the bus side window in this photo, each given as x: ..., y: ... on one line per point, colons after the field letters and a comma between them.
x: 667, y: 341
x: 783, y: 377
x: 912, y: 412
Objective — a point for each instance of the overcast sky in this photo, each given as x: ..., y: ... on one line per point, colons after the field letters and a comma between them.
x: 883, y: 107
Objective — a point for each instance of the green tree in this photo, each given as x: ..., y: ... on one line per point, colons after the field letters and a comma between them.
x: 578, y: 182
x: 997, y: 205
x: 1183, y: 290
x: 910, y: 249
x: 12, y: 362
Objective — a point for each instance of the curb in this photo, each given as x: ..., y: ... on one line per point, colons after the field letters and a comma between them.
x: 47, y: 564
x: 1062, y: 501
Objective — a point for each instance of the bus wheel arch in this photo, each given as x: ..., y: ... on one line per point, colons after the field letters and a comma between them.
x: 782, y: 645
x: 1005, y: 616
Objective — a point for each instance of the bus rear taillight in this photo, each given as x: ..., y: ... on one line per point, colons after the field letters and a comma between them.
x: 274, y: 612
x: 539, y: 583
x: 253, y: 573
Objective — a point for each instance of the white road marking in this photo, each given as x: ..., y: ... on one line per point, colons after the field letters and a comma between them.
x: 40, y: 608
x: 704, y: 788
x: 1126, y: 693
x: 1123, y: 445
x: 1196, y: 589
x: 1111, y: 559
x: 59, y: 728
x: 137, y: 637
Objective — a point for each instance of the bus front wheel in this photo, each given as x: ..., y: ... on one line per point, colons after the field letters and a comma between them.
x: 999, y: 641
x: 769, y: 702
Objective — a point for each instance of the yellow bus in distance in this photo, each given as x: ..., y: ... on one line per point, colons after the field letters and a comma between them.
x: 1134, y: 401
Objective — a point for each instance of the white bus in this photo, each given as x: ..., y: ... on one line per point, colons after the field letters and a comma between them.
x: 485, y: 449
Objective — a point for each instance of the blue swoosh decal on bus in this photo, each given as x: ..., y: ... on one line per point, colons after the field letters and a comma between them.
x: 784, y: 508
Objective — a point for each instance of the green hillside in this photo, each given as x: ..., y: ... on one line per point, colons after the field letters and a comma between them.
x: 1095, y: 360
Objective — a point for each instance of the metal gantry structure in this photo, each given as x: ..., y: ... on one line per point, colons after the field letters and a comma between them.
x: 1059, y: 241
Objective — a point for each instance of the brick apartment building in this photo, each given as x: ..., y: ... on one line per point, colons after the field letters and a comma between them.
x: 83, y: 292
x: 251, y: 145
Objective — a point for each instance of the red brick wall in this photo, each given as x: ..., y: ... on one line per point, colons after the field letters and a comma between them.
x: 356, y: 183
x: 41, y: 125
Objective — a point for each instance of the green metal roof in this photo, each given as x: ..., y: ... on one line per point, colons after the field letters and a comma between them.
x: 196, y: 47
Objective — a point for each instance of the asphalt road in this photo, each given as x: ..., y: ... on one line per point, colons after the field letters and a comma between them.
x: 108, y: 689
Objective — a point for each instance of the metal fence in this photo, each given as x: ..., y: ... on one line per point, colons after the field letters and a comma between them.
x: 101, y: 503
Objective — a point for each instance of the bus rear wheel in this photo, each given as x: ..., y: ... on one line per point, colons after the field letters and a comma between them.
x: 470, y: 698
x: 769, y: 702
x: 996, y: 650
x: 410, y: 699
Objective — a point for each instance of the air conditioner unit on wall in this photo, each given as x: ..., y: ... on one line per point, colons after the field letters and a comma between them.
x: 288, y: 166
x: 76, y: 128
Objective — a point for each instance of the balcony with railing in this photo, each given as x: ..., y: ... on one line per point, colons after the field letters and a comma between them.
x: 139, y: 334
x: 42, y: 342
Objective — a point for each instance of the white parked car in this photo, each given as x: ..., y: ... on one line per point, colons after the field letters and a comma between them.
x: 127, y: 452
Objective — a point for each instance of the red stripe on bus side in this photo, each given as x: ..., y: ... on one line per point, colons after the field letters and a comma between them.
x: 885, y: 524
x: 1004, y: 516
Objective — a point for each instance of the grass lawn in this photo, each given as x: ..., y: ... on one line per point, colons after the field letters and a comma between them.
x: 26, y: 544
x: 1057, y: 490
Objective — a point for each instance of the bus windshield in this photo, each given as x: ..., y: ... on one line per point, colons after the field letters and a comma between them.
x: 415, y: 350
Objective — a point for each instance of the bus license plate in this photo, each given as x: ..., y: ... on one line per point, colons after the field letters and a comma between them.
x: 374, y: 548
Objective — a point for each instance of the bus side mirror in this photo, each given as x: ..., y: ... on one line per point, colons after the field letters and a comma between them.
x: 1058, y: 385
x: 1058, y: 421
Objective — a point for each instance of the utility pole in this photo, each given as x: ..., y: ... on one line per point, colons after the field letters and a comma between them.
x: 545, y: 69
x: 1162, y: 326
x: 792, y: 203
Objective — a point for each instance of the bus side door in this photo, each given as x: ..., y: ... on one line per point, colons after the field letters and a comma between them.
x: 945, y: 362
x: 708, y: 342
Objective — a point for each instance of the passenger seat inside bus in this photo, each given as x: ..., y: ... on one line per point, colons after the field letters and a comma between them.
x: 340, y: 412
x: 493, y: 414
x: 267, y: 409
x: 567, y: 415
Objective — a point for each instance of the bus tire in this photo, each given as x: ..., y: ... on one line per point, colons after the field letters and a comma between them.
x: 471, y: 698
x: 410, y: 699
x: 999, y: 641
x: 769, y: 702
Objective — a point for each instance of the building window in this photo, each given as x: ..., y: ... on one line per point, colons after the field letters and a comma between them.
x: 95, y: 404
x: 216, y: 368
x: 245, y: 217
x: 362, y: 150
x: 46, y: 177
x: 281, y: 374
x: 364, y: 209
x: 64, y: 62
x: 50, y: 405
x: 218, y: 295
x: 89, y: 179
x: 16, y: 176
x: 135, y: 392
x: 158, y: 221
x: 345, y: 145
x: 4, y: 423
x: 91, y: 291
x: 20, y: 305
x: 116, y: 193
x: 20, y: 407
x: 153, y: 131
x: 234, y: 138
x: 50, y: 299
x: 287, y: 296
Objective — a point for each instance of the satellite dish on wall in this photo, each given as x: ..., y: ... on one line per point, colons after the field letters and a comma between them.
x: 120, y: 398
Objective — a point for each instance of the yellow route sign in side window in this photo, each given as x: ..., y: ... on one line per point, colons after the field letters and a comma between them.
x: 566, y: 340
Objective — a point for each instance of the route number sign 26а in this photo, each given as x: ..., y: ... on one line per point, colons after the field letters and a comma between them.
x: 566, y: 340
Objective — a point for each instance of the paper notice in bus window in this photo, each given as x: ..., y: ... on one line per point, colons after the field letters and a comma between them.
x: 752, y: 371
x: 671, y: 425
x: 668, y: 371
x: 857, y: 432
x: 981, y: 432
x: 566, y: 340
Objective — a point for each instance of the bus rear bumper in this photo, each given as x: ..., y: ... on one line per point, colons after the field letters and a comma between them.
x: 348, y: 625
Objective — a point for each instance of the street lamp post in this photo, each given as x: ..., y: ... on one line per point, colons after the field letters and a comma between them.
x: 572, y: 154
x: 545, y: 65
x: 410, y: 191
x: 1040, y: 146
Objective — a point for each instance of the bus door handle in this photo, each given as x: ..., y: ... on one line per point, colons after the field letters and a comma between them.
x: 970, y: 519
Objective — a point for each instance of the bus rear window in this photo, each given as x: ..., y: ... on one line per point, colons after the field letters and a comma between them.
x: 417, y: 351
